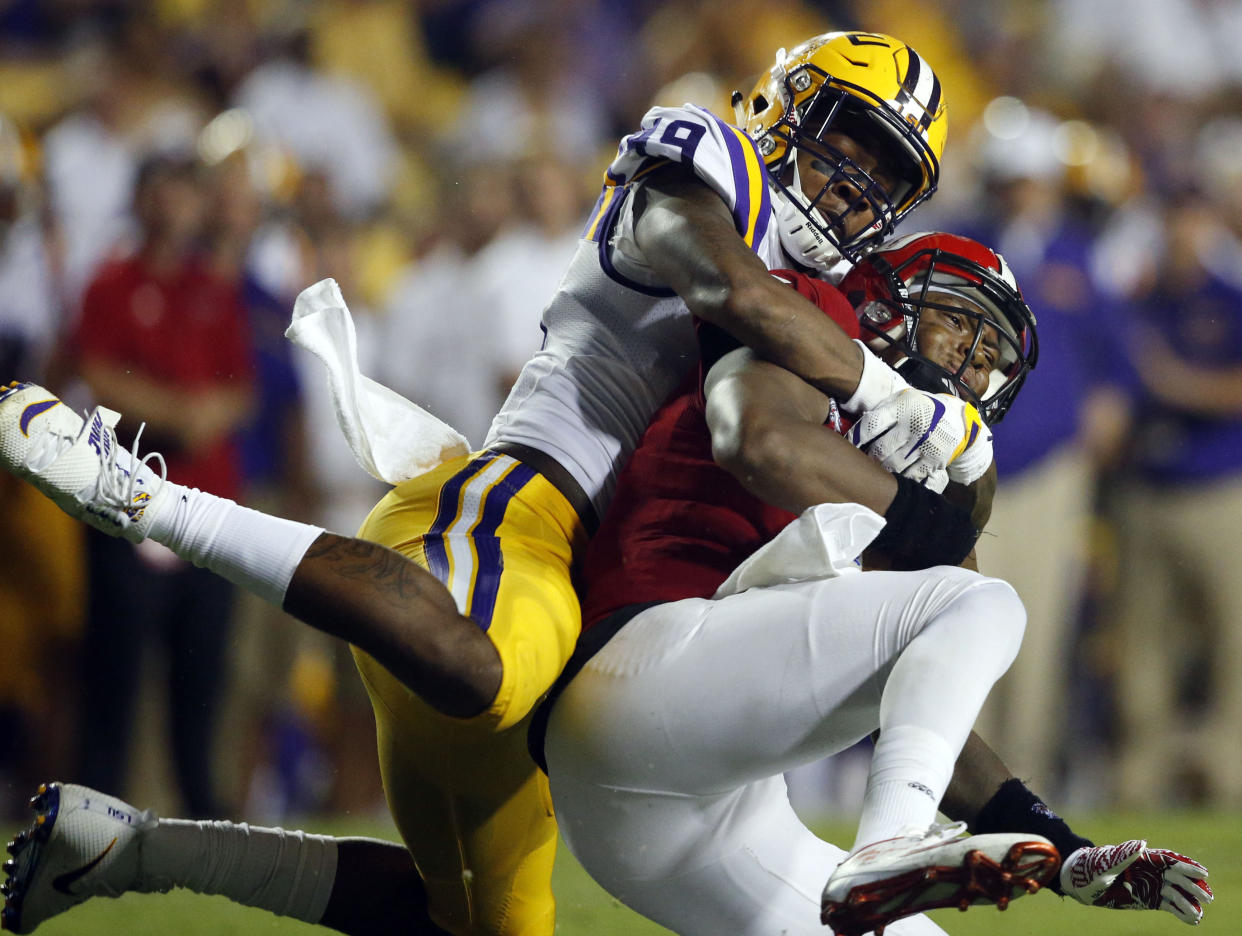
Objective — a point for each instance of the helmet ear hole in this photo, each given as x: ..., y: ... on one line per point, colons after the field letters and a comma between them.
x: 757, y: 104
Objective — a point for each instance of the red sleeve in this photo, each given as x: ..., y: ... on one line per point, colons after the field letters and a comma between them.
x: 830, y: 300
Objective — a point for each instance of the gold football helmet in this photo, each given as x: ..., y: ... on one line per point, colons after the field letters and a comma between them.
x: 875, y: 90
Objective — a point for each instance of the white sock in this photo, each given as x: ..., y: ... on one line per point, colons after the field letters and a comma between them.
x: 288, y: 873
x: 255, y: 550
x: 930, y: 703
x: 910, y: 770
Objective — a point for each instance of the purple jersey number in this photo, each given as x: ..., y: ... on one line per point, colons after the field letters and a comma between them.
x: 681, y: 135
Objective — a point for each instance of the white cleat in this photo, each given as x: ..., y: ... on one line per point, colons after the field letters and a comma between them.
x: 76, y: 463
x: 82, y: 844
x: 928, y: 869
x: 31, y: 417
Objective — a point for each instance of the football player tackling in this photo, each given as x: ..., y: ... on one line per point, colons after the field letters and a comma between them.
x: 457, y: 594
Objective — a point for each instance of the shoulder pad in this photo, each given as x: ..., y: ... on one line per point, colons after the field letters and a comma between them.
x: 723, y: 156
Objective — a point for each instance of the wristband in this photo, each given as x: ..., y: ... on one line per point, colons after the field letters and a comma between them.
x: 877, y: 383
x: 922, y: 529
x: 1014, y: 808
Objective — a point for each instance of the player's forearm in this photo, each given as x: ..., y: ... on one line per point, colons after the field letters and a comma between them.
x: 977, y: 775
x: 687, y: 236
x: 400, y: 614
x: 767, y: 431
x: 797, y: 465
x: 783, y: 327
x: 1129, y: 876
x: 989, y: 798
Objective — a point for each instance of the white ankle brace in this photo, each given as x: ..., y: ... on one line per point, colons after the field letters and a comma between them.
x: 288, y: 873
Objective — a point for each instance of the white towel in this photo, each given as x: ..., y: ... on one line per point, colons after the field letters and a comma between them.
x: 391, y: 437
x: 824, y: 542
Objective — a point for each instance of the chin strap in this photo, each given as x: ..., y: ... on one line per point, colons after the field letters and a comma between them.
x: 802, y: 228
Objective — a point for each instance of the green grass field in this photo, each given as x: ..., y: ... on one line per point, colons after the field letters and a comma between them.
x: 585, y: 910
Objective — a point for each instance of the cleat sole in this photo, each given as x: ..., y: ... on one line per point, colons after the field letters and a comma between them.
x: 978, y: 879
x: 26, y: 847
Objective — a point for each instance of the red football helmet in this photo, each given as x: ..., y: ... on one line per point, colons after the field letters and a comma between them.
x: 892, y: 286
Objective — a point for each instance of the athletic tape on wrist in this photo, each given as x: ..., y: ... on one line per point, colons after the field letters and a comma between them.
x: 1014, y: 808
x: 877, y: 383
x: 922, y: 529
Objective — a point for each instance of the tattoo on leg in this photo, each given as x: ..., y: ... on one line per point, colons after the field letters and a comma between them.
x: 393, y: 577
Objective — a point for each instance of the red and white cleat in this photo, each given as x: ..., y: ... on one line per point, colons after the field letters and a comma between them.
x: 932, y: 868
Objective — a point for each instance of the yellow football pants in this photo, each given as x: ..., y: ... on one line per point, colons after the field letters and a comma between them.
x: 470, y: 804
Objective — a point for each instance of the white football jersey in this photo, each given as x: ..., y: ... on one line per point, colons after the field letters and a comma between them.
x: 616, y: 341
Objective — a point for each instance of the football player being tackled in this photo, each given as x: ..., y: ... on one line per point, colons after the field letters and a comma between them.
x: 728, y: 639
x: 457, y: 594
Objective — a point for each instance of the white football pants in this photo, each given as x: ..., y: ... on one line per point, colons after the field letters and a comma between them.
x: 666, y: 752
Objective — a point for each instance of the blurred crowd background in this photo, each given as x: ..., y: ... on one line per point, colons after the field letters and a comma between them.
x: 173, y: 172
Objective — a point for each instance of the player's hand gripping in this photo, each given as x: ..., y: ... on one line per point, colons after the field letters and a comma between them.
x: 1131, y: 876
x: 931, y: 438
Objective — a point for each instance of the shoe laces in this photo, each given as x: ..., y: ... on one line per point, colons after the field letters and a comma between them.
x: 944, y: 830
x: 117, y: 485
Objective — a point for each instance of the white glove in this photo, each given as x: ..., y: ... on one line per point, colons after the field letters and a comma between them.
x: 931, y: 438
x: 1131, y: 876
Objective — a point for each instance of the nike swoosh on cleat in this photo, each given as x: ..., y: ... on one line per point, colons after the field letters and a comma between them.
x: 33, y: 410
x: 62, y: 881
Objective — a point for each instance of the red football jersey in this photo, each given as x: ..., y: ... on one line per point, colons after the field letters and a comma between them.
x: 679, y: 524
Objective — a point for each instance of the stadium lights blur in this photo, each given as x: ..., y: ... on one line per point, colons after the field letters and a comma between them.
x: 226, y: 133
x: 1006, y: 118
x: 1018, y: 141
x: 1072, y: 143
x: 1075, y: 143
